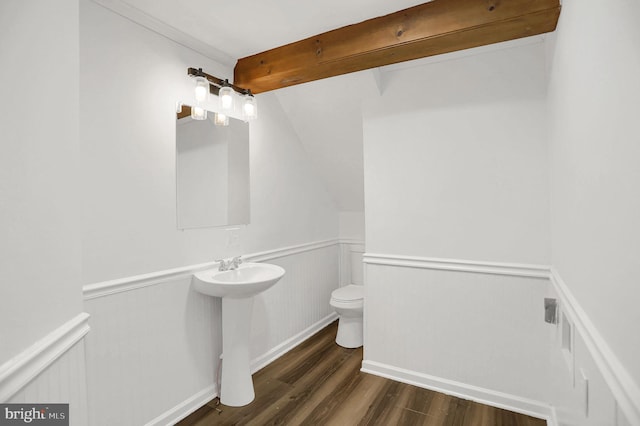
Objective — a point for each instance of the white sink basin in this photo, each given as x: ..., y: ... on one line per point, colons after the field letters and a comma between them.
x: 246, y: 281
x: 237, y: 288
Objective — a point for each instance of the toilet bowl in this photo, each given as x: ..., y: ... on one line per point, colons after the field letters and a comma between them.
x: 348, y: 302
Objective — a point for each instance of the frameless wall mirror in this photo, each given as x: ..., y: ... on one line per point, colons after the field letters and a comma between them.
x: 212, y: 171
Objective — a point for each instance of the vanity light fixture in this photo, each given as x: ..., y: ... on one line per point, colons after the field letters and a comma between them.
x: 228, y: 95
x: 220, y: 119
x: 249, y: 106
x: 198, y: 113
x: 202, y: 89
x: 225, y: 96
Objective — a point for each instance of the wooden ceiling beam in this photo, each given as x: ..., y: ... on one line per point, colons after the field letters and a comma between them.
x: 440, y: 26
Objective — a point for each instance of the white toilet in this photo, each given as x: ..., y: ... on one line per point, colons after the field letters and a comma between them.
x: 348, y: 302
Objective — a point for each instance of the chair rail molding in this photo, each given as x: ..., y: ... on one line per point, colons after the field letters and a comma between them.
x: 23, y: 368
x: 625, y: 391
x: 106, y: 288
x: 459, y: 265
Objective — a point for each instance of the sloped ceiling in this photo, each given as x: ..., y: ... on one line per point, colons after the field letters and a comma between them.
x: 327, y: 117
x: 326, y: 114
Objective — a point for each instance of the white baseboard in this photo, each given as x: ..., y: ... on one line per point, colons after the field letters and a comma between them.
x: 484, y: 396
x: 263, y: 360
x: 196, y: 401
x: 188, y: 406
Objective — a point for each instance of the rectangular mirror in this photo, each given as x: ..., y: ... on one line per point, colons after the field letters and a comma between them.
x: 212, y: 171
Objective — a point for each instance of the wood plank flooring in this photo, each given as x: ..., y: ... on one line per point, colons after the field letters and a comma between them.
x: 320, y: 383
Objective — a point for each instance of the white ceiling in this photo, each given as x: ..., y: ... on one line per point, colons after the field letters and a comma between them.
x: 240, y: 28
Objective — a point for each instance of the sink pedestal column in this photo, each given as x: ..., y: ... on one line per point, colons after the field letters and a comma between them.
x: 236, y: 388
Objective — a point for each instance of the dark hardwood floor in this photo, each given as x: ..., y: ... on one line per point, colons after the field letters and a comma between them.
x: 320, y: 383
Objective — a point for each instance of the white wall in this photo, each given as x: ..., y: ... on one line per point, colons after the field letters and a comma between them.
x: 326, y: 115
x: 594, y: 95
x: 40, y: 243
x: 594, y: 100
x: 161, y: 339
x: 130, y: 81
x: 352, y: 225
x: 455, y: 160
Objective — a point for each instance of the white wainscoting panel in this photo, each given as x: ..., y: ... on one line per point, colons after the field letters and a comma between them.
x: 492, y: 305
x: 351, y: 266
x: 150, y: 349
x: 51, y: 371
x: 63, y: 381
x: 155, y: 345
x: 608, y: 396
x: 476, y: 327
x: 299, y: 301
x: 261, y: 361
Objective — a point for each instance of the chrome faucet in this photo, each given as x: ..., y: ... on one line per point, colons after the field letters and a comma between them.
x: 224, y: 265
x: 235, y: 262
x: 229, y: 265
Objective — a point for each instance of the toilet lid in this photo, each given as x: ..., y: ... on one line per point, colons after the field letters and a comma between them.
x: 348, y: 293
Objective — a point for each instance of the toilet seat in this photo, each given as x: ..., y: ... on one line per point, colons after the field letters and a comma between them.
x: 348, y: 302
x: 349, y: 297
x: 349, y: 293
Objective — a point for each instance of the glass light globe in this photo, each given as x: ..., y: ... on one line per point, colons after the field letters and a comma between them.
x: 198, y: 113
x: 220, y: 119
x: 226, y: 99
x: 250, y: 107
x: 202, y: 89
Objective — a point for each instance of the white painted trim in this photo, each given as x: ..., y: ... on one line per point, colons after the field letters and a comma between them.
x: 352, y: 241
x: 263, y: 360
x: 347, y: 247
x: 23, y: 368
x: 136, y: 15
x: 288, y: 251
x: 624, y: 389
x: 459, y: 265
x: 107, y: 288
x: 484, y: 396
x: 553, y: 418
x: 186, y: 407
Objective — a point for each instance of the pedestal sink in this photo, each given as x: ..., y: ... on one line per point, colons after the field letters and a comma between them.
x: 236, y: 288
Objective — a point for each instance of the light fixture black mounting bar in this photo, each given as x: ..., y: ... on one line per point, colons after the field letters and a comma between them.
x: 217, y: 82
